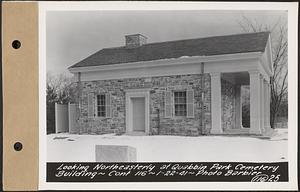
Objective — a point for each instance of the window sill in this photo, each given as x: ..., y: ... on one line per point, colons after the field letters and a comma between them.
x: 101, y: 118
x: 179, y: 117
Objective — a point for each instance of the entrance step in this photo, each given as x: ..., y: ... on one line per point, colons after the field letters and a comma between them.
x: 136, y: 133
x: 237, y: 131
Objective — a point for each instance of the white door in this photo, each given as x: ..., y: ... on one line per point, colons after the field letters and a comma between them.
x: 138, y: 114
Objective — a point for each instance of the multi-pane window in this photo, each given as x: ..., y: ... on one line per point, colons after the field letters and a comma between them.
x: 180, y: 103
x: 101, y: 103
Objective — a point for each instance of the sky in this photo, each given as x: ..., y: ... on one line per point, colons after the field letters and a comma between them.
x: 74, y: 35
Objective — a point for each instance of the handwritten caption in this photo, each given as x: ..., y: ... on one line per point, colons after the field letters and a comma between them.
x: 253, y: 172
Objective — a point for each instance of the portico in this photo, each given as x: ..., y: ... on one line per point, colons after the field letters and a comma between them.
x: 259, y: 102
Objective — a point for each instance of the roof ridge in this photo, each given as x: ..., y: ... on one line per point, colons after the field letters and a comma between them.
x: 205, y: 37
x: 118, y: 47
x: 112, y: 47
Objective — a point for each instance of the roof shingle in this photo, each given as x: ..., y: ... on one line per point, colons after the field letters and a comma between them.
x: 218, y: 45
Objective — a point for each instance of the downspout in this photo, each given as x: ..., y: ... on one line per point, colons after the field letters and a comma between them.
x: 78, y: 103
x: 158, y: 121
x: 202, y: 126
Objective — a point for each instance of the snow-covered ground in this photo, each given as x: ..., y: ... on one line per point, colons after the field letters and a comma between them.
x: 74, y: 148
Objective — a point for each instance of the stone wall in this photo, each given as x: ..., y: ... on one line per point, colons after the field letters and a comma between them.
x: 228, y: 105
x: 158, y: 123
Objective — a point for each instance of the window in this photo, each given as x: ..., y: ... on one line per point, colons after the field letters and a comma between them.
x: 101, y: 105
x: 180, y: 103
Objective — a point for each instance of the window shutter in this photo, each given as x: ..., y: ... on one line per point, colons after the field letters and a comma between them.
x: 108, y: 110
x: 168, y: 104
x: 190, y: 103
x: 95, y: 105
x: 91, y: 111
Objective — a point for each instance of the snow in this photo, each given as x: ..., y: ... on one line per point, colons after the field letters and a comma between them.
x: 162, y: 148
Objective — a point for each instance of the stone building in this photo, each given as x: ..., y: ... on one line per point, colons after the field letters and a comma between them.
x: 186, y: 87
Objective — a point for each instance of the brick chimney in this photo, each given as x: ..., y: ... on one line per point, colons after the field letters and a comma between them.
x: 136, y: 40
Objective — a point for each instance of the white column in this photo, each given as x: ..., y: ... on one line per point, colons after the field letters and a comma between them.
x: 255, y: 102
x: 262, y: 103
x: 216, y: 105
x: 267, y: 105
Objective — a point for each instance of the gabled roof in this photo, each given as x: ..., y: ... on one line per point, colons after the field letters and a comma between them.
x: 218, y: 45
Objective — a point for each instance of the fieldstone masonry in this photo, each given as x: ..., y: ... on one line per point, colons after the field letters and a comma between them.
x: 228, y: 105
x: 158, y: 123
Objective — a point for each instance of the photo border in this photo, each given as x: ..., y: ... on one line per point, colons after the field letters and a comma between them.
x: 292, y: 92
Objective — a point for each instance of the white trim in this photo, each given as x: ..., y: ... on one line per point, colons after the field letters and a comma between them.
x: 264, y: 65
x: 172, y: 61
x: 269, y: 53
x: 133, y: 93
x: 169, y: 69
x: 136, y: 90
x: 263, y: 72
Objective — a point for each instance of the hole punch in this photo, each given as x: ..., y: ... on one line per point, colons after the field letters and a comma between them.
x: 18, y: 146
x: 16, y: 44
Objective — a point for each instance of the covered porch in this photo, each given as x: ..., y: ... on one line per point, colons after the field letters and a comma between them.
x: 228, y: 98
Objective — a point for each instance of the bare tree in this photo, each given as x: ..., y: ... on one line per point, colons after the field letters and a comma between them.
x: 59, y: 89
x: 278, y: 80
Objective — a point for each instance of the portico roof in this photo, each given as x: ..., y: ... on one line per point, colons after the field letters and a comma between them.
x: 209, y: 46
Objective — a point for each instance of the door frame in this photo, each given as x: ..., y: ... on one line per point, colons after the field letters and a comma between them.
x: 137, y: 93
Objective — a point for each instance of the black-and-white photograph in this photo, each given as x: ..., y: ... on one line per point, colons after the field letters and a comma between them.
x: 153, y: 86
x: 167, y: 95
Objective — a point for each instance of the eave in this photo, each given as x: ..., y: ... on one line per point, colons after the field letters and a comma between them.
x: 173, y: 61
